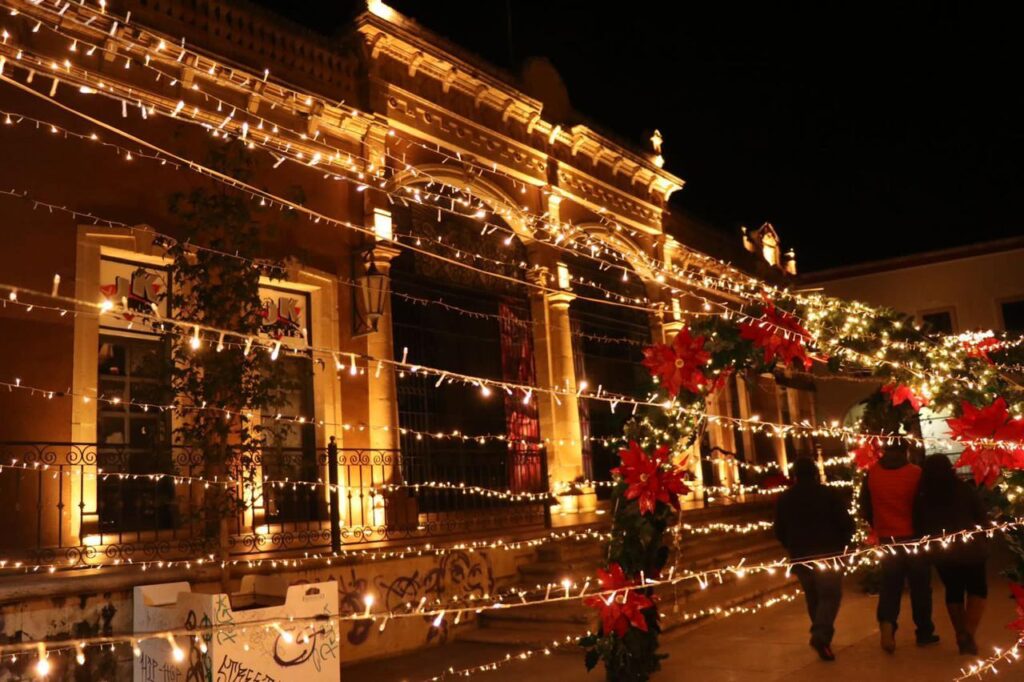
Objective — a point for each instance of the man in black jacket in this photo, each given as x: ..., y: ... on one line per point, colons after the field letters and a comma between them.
x: 811, y: 520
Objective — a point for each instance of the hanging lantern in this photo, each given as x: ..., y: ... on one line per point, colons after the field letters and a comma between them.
x: 373, y: 289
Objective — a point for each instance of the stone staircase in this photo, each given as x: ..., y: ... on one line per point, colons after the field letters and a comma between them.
x: 535, y: 626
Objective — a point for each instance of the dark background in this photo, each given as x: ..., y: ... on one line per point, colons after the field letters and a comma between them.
x: 861, y: 131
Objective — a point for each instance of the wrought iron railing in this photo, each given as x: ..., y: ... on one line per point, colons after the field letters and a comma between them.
x: 83, y: 503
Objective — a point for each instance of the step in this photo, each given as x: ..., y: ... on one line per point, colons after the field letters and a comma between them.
x: 538, y: 626
x: 509, y: 637
x: 572, y: 550
x: 574, y: 615
x: 555, y: 571
x: 712, y: 556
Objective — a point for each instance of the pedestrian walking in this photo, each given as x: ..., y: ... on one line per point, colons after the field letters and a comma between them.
x: 811, y: 520
x: 947, y: 504
x: 887, y: 503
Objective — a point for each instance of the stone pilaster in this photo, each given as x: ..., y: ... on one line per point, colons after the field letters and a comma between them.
x: 559, y: 415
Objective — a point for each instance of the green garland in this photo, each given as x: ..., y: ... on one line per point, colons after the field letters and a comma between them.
x: 949, y: 374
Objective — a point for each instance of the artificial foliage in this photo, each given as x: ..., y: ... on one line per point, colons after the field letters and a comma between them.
x: 976, y: 379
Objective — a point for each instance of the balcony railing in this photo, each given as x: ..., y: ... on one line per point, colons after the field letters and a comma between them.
x: 82, y: 503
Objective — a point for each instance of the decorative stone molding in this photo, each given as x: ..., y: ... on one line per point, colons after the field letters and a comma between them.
x: 409, y: 45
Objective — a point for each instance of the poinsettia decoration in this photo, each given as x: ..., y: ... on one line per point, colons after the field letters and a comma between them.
x: 867, y: 455
x: 992, y: 423
x: 1018, y: 594
x: 780, y: 335
x: 980, y: 349
x: 900, y: 393
x: 680, y: 364
x: 650, y: 479
x: 619, y: 609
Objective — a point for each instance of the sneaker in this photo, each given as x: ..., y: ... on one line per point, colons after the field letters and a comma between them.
x: 925, y: 640
x: 825, y: 652
x: 888, y: 636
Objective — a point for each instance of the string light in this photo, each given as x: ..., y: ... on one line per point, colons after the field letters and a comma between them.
x: 988, y: 665
x: 839, y: 561
x: 843, y: 351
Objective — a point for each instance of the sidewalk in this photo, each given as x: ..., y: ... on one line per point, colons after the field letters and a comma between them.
x: 769, y: 646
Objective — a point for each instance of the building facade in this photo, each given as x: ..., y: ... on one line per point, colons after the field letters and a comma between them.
x: 441, y: 246
x: 977, y: 288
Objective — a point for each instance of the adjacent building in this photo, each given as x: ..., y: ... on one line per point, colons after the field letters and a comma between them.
x: 974, y: 288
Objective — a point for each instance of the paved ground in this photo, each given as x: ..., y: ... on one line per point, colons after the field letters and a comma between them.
x: 767, y: 647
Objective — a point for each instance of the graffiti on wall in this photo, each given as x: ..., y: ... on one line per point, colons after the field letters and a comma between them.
x: 459, y: 574
x: 61, y: 619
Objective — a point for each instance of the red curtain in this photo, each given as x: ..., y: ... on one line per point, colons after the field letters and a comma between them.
x: 521, y: 419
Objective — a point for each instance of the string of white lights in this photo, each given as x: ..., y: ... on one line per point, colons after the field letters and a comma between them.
x: 989, y: 665
x: 865, y: 359
x: 760, y: 287
x: 590, y: 247
x: 569, y: 591
x: 98, y: 560
x: 169, y: 239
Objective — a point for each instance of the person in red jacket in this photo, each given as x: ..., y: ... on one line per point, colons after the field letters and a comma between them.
x: 887, y: 503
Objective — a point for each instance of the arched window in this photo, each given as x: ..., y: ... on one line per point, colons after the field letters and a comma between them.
x: 469, y: 323
x: 608, y: 346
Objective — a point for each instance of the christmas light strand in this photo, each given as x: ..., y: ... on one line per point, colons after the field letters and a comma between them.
x: 761, y: 289
x: 265, y: 264
x: 569, y: 591
x: 865, y: 359
x: 522, y: 212
x: 988, y: 665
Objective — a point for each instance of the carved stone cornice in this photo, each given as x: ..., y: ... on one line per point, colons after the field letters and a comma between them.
x: 412, y: 50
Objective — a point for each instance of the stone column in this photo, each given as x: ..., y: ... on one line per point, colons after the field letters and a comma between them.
x: 743, y: 401
x: 559, y: 415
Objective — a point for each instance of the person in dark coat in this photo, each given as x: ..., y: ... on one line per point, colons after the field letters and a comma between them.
x: 946, y: 504
x: 811, y: 520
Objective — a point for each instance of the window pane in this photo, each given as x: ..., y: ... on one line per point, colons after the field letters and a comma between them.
x: 1013, y: 316
x: 111, y: 431
x: 940, y: 322
x: 111, y: 390
x: 147, y: 360
x: 145, y: 434
x: 111, y: 358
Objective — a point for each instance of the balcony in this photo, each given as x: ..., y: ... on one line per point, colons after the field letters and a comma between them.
x: 73, y: 505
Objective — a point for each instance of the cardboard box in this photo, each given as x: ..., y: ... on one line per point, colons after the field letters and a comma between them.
x: 302, y: 651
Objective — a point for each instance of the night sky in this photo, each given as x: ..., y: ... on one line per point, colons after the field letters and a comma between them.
x: 883, y: 131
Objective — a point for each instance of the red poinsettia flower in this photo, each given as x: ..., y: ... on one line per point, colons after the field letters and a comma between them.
x: 903, y: 394
x: 1018, y: 594
x: 981, y: 349
x: 992, y: 423
x: 650, y: 479
x: 619, y: 610
x: 866, y: 455
x: 679, y: 365
x: 780, y: 335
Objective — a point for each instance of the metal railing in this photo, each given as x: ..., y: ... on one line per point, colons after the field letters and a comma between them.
x: 84, y: 503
